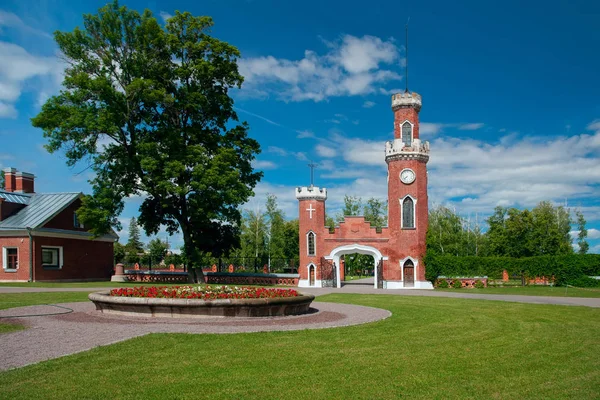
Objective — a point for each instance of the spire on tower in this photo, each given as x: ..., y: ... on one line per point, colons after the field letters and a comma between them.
x: 406, y: 58
x: 312, y: 167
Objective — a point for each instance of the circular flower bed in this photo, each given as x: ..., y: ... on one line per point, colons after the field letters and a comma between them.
x: 204, y: 292
x: 202, y: 301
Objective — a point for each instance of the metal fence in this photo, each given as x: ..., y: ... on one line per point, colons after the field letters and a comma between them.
x: 223, y: 264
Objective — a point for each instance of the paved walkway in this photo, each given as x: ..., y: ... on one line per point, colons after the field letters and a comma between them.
x: 85, y: 328
x: 365, y: 286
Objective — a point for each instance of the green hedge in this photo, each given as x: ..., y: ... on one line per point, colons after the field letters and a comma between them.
x: 567, y: 269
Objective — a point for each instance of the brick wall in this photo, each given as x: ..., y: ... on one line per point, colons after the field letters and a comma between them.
x: 22, y: 245
x: 83, y: 259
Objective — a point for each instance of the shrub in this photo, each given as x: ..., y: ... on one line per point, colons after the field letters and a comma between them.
x: 565, y: 268
x: 442, y: 284
x: 585, y: 282
x: 457, y: 284
x: 479, y: 284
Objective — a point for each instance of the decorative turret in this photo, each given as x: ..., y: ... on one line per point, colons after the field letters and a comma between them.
x: 406, y: 100
x: 311, y: 193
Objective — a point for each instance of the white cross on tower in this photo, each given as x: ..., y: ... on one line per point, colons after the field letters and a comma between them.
x: 310, y: 210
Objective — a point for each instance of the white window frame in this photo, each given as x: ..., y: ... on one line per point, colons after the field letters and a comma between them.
x: 308, y: 244
x: 60, y: 257
x: 414, y: 212
x: 5, y: 259
x: 412, y: 132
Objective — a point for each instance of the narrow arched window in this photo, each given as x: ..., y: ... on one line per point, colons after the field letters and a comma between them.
x: 407, y: 134
x: 408, y: 213
x: 311, y: 243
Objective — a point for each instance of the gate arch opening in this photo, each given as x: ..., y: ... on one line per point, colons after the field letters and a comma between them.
x: 336, y: 253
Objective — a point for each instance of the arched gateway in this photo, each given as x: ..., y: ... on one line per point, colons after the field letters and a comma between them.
x: 398, y: 249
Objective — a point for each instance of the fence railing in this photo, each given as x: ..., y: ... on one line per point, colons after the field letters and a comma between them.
x: 224, y: 264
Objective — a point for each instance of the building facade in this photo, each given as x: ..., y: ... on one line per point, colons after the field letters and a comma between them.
x: 397, y: 249
x: 41, y: 238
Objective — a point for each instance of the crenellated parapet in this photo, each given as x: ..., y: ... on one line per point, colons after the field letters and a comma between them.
x: 397, y: 150
x: 311, y: 193
x: 406, y: 100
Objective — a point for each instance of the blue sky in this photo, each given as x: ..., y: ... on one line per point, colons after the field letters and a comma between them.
x: 510, y: 91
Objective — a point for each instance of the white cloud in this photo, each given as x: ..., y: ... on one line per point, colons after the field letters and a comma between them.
x: 11, y: 20
x: 285, y: 153
x: 20, y: 70
x: 352, y: 66
x: 432, y: 129
x: 165, y: 16
x: 471, y: 126
x: 7, y: 110
x: 369, y: 104
x: 263, y: 164
x: 305, y: 134
x: 325, y: 151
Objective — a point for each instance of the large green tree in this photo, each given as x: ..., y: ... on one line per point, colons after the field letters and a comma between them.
x: 449, y: 233
x: 157, y: 250
x: 134, y: 246
x: 147, y: 107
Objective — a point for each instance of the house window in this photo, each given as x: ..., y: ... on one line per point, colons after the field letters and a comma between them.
x: 407, y: 134
x: 52, y: 257
x: 10, y: 258
x: 311, y: 244
x: 408, y: 213
x: 76, y: 223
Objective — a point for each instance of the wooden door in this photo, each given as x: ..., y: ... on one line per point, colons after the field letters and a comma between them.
x: 409, y: 274
x: 311, y: 273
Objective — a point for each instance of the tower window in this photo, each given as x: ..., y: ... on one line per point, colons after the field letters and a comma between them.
x: 407, y: 134
x: 408, y: 213
x: 311, y: 243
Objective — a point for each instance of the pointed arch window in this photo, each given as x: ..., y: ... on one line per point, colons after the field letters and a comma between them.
x: 407, y: 134
x: 311, y: 243
x: 408, y: 212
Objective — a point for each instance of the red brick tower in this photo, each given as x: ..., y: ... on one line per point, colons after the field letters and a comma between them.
x: 406, y: 157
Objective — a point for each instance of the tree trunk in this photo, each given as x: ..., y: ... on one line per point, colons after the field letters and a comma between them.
x: 195, y: 273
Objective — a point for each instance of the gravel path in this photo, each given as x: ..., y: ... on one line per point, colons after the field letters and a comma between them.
x: 60, y: 335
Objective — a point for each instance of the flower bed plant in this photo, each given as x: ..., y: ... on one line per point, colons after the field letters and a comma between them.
x: 204, y: 292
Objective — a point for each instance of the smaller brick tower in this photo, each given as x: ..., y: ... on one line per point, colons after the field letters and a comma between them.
x: 311, y: 217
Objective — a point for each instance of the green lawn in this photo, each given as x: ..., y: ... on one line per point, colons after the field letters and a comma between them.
x: 533, y: 291
x: 9, y: 300
x: 6, y: 328
x: 429, y: 348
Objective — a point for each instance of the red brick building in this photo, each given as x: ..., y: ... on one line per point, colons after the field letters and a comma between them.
x: 397, y: 249
x: 41, y: 239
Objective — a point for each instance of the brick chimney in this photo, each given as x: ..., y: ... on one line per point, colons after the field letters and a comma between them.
x: 24, y: 182
x: 9, y: 179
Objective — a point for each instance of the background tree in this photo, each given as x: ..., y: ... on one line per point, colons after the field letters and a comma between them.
x: 134, y: 246
x: 275, y: 232
x: 119, y: 252
x: 352, y: 206
x: 448, y: 233
x: 584, y: 246
x: 2, y: 180
x: 148, y: 108
x: 254, y: 234
x: 375, y: 211
x: 157, y: 250
x: 291, y: 240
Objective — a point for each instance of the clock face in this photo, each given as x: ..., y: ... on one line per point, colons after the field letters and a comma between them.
x: 407, y: 176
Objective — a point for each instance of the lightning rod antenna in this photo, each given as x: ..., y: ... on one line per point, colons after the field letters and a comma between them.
x: 406, y: 63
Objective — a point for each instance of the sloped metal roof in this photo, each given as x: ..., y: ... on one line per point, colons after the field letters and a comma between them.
x: 40, y: 208
x: 19, y: 198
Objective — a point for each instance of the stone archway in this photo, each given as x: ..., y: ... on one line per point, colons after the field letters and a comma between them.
x: 351, y: 249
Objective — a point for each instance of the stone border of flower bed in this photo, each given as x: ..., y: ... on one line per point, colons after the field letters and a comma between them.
x: 189, y: 308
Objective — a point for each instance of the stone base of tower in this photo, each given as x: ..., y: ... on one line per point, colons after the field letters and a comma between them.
x: 400, y: 285
x: 305, y: 283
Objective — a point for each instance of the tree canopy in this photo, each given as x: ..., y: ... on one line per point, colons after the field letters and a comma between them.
x: 147, y: 107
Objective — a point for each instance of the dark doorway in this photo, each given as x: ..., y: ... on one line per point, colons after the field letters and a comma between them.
x: 409, y: 274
